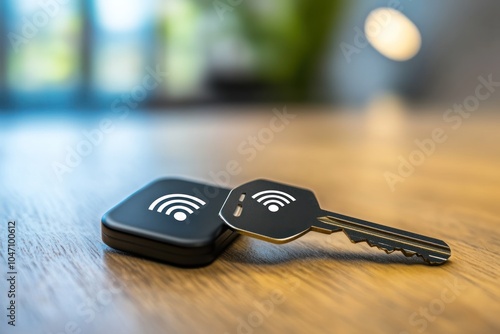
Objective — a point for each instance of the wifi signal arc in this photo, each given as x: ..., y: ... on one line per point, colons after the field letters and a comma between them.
x: 180, y: 204
x: 273, y: 199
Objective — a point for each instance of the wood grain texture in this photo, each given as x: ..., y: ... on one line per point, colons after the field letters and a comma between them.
x: 69, y: 281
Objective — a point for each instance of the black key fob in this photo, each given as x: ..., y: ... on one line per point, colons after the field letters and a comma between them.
x: 171, y: 220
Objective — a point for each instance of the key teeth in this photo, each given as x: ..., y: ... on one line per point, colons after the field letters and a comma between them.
x: 438, y: 251
x: 390, y: 250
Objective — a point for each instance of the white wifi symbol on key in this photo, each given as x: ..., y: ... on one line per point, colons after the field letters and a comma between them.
x: 179, y: 204
x: 273, y: 199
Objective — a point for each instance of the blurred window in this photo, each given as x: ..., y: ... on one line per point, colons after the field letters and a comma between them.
x: 89, y: 52
x: 123, y: 44
x: 43, y: 54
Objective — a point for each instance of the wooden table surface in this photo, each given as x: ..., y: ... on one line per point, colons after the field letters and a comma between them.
x: 68, y: 281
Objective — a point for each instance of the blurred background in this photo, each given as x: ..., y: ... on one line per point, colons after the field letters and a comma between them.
x: 69, y: 55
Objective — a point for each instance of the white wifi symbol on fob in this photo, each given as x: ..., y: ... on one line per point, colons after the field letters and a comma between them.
x: 179, y: 204
x: 273, y: 199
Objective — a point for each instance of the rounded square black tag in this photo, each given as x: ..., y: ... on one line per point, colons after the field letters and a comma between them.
x: 172, y: 220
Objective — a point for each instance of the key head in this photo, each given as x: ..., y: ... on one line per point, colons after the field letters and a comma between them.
x: 270, y: 211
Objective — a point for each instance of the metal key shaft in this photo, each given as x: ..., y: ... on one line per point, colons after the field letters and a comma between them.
x: 389, y: 239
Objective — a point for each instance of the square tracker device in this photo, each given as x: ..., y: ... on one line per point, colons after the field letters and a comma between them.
x: 171, y: 220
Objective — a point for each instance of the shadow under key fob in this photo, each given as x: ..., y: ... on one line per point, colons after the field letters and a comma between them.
x: 170, y: 220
